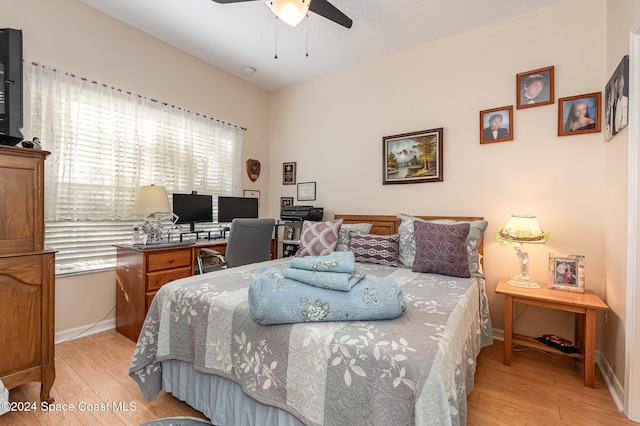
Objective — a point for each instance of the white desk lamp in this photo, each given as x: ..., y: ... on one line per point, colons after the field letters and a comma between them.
x: 149, y: 201
x: 521, y: 229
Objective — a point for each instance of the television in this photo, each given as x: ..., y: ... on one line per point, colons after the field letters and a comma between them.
x: 230, y: 208
x: 193, y: 208
x: 10, y: 86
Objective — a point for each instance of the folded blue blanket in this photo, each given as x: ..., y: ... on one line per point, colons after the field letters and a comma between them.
x: 274, y: 299
x: 338, y: 261
x: 333, y: 280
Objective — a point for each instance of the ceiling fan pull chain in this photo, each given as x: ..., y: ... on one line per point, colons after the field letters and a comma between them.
x: 275, y: 56
x: 307, y: 54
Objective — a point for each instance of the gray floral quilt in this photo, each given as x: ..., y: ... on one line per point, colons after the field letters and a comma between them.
x: 417, y: 369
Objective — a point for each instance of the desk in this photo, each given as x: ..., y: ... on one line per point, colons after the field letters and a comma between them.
x: 141, y: 272
x: 583, y: 305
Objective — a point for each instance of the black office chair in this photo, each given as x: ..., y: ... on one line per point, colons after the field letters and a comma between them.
x: 249, y: 242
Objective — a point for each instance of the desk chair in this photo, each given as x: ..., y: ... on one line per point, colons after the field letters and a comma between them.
x: 249, y: 242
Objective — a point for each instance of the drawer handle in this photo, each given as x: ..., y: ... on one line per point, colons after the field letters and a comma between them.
x: 170, y: 260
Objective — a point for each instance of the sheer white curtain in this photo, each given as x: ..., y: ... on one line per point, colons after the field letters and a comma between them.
x: 105, y: 142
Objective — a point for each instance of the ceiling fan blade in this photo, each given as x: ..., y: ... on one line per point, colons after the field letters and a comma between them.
x: 329, y: 11
x: 231, y: 1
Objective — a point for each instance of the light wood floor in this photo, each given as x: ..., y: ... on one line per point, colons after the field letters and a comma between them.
x: 535, y: 390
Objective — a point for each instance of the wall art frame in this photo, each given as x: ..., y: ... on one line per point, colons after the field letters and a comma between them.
x: 306, y: 191
x: 286, y: 202
x: 496, y: 124
x: 414, y: 157
x: 616, y: 100
x: 535, y: 88
x: 289, y: 173
x: 579, y: 114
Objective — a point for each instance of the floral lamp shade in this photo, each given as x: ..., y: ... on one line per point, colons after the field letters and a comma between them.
x: 522, y: 229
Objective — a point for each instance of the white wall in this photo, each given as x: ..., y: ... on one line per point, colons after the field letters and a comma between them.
x: 333, y: 128
x: 71, y: 36
x: 621, y: 14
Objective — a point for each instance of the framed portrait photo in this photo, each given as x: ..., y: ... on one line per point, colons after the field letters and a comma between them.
x: 535, y: 88
x: 579, y: 114
x: 616, y: 100
x: 289, y: 173
x: 496, y: 125
x: 286, y: 202
x: 566, y: 272
x: 412, y: 157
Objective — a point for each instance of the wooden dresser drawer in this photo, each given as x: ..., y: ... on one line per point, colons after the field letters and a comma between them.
x: 168, y: 259
x: 155, y: 280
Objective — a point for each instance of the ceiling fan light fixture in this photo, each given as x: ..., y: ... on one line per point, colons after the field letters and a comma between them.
x: 291, y: 12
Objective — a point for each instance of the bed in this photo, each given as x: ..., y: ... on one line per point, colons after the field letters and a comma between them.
x: 200, y: 344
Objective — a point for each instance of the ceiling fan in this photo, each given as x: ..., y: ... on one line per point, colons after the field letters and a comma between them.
x: 298, y: 10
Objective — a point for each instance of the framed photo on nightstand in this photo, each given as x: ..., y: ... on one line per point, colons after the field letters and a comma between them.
x: 566, y: 272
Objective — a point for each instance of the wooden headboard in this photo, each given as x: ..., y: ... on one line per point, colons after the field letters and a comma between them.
x: 388, y: 225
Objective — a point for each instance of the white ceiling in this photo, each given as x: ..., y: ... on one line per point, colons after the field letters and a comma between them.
x: 235, y: 36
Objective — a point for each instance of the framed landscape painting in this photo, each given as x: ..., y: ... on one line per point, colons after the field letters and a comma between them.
x: 412, y: 157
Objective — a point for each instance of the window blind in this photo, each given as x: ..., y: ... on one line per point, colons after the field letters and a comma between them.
x: 104, y: 143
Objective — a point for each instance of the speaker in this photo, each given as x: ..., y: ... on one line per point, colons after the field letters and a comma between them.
x: 10, y: 86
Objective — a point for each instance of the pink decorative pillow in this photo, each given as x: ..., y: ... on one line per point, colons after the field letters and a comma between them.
x: 382, y: 249
x: 441, y: 249
x: 318, y: 238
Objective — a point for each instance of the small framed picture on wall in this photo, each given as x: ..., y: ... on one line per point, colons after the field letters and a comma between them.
x: 535, y: 88
x: 289, y: 173
x: 496, y: 125
x: 616, y: 102
x: 286, y: 202
x: 579, y: 114
x: 307, y: 191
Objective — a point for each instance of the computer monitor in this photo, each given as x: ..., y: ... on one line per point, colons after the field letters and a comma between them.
x: 230, y: 208
x: 193, y: 208
x: 10, y: 86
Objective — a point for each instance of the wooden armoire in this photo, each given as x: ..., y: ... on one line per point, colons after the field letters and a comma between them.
x: 27, y: 273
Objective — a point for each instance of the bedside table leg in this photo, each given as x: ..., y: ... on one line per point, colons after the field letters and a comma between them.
x: 589, y: 347
x: 508, y: 328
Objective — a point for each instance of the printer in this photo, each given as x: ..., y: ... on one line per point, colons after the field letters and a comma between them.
x: 298, y: 213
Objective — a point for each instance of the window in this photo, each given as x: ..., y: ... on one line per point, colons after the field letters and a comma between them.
x: 104, y: 143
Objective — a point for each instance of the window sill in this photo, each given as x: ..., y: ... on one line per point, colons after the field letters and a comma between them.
x: 68, y: 271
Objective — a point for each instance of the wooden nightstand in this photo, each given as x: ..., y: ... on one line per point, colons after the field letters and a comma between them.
x: 584, y: 305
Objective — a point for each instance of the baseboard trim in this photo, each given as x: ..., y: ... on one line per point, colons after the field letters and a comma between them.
x: 614, y: 386
x: 85, y: 330
x: 497, y: 334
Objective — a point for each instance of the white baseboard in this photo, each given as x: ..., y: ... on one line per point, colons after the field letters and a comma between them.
x: 497, y: 334
x: 86, y: 330
x: 614, y: 386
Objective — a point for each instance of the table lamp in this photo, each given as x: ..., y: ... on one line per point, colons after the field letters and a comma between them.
x: 522, y: 229
x: 149, y: 201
